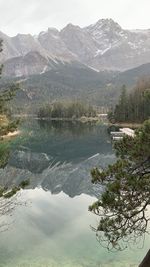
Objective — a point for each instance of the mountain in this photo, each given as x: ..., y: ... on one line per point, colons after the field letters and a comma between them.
x: 79, y: 41
x: 72, y: 81
x: 103, y: 45
x: 25, y: 43
x: 132, y: 76
x: 31, y: 63
x: 53, y: 44
x: 9, y: 50
x: 119, y: 49
x: 62, y: 82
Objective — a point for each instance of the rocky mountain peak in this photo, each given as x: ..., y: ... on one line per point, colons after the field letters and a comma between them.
x: 23, y: 36
x: 24, y: 43
x: 9, y: 50
x: 107, y: 24
x: 71, y: 28
x: 105, y: 28
x: 49, y: 31
x: 107, y: 33
x: 52, y: 29
x: 3, y: 36
x: 78, y: 41
x: 102, y: 45
x: 53, y: 44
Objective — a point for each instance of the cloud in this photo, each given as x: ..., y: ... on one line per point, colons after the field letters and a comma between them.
x: 32, y: 16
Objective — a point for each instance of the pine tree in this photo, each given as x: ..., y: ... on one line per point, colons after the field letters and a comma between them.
x: 6, y: 206
x: 6, y: 95
x: 126, y: 192
x: 135, y: 106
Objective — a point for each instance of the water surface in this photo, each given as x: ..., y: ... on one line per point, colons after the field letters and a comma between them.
x: 48, y: 224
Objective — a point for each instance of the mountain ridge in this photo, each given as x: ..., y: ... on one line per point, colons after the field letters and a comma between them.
x: 73, y: 82
x: 104, y: 45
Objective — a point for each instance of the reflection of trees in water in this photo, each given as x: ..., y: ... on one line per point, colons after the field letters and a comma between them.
x: 70, y: 128
x: 9, y: 193
x: 10, y: 199
x: 4, y: 154
x: 64, y: 140
x: 35, y: 129
x: 7, y: 206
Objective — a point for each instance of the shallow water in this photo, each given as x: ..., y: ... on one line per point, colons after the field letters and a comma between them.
x: 49, y: 223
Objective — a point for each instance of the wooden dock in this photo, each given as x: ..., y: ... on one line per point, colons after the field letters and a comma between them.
x: 127, y: 131
x: 116, y: 136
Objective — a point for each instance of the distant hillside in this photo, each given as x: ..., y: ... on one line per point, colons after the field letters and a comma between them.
x: 75, y: 81
x: 30, y: 64
x: 67, y: 81
x: 130, y: 77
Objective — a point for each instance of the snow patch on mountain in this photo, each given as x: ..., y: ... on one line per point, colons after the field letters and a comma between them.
x: 102, y: 45
x: 44, y: 69
x: 101, y: 52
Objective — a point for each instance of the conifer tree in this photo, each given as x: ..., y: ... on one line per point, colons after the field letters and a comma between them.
x: 134, y: 106
x: 6, y: 95
x: 122, y: 207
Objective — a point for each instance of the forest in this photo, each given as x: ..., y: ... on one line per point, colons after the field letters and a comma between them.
x: 70, y: 109
x: 133, y: 106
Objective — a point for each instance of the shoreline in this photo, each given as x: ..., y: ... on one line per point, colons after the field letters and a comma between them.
x: 82, y: 119
x: 11, y: 134
x: 126, y: 124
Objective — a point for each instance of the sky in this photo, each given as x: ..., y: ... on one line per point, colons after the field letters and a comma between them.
x: 34, y: 16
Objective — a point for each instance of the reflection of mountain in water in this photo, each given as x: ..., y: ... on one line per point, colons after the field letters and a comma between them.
x: 70, y: 141
x: 34, y: 162
x: 71, y: 145
x: 73, y: 179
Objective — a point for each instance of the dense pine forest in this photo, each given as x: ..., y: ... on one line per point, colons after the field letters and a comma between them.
x: 71, y: 110
x: 133, y: 106
x: 7, y: 124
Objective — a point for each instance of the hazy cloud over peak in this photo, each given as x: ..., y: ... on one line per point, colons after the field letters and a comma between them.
x: 32, y: 16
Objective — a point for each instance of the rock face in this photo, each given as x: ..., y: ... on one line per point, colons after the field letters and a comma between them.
x: 79, y: 41
x: 25, y: 43
x: 103, y: 45
x: 119, y: 49
x: 29, y: 64
x: 54, y: 45
x: 9, y: 50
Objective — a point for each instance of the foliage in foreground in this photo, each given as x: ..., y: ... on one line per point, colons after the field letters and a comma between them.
x: 8, y: 193
x: 122, y: 207
x: 10, y: 125
x: 6, y: 95
x: 4, y: 154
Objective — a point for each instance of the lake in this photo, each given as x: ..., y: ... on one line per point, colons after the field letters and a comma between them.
x: 48, y: 224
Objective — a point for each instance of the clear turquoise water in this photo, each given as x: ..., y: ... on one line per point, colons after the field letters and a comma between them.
x: 49, y: 225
